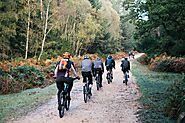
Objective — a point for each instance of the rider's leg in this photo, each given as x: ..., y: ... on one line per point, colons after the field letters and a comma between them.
x: 60, y: 86
x: 69, y: 80
x: 90, y: 81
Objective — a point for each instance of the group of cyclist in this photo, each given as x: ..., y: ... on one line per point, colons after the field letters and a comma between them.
x: 89, y: 69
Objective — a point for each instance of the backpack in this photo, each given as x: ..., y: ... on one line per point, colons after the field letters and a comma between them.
x: 109, y: 62
x: 125, y: 65
x: 63, y: 64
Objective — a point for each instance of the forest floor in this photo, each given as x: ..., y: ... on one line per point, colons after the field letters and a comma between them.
x: 114, y: 103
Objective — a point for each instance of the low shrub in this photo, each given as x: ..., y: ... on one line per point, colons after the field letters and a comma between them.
x: 21, y: 78
x: 143, y: 59
x: 167, y: 64
x: 176, y: 105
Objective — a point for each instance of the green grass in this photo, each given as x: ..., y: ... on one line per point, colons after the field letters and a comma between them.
x: 14, y: 105
x: 153, y: 86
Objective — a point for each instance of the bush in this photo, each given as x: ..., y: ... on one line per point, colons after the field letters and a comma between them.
x: 21, y: 78
x: 176, y: 105
x: 143, y: 59
x: 167, y: 63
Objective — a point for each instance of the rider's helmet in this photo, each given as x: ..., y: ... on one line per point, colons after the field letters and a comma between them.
x: 109, y: 56
x: 86, y: 57
x: 66, y: 55
x: 98, y: 58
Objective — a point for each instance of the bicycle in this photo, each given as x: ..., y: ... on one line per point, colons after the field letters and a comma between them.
x: 97, y: 80
x: 109, y: 76
x: 126, y: 76
x: 65, y: 99
x: 86, y: 91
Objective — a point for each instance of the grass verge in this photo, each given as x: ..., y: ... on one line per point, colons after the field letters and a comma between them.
x: 14, y: 105
x: 153, y: 86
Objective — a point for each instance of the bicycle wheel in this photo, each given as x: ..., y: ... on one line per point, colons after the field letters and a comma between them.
x: 111, y: 77
x: 98, y: 82
x: 85, y: 93
x: 126, y: 78
x: 108, y: 78
x: 67, y: 102
x: 61, y: 109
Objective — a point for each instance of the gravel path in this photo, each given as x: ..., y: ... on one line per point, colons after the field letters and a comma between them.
x: 114, y: 103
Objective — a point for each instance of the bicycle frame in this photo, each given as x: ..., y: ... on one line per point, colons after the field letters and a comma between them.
x: 65, y: 103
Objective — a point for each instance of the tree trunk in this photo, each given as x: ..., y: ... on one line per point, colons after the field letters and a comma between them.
x: 28, y: 31
x: 45, y: 33
x: 41, y: 9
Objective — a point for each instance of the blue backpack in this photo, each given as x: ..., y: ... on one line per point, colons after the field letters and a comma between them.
x: 109, y: 62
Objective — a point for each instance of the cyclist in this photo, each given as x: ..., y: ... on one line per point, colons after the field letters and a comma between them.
x: 98, y: 66
x: 130, y: 53
x: 87, y: 70
x: 61, y: 74
x: 125, y: 65
x: 110, y: 63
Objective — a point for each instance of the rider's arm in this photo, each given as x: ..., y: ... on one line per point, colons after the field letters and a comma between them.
x: 102, y: 67
x: 105, y: 62
x: 92, y: 68
x: 128, y: 65
x: 56, y: 70
x: 74, y: 69
x: 113, y: 63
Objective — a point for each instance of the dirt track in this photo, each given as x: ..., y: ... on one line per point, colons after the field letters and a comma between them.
x: 114, y: 103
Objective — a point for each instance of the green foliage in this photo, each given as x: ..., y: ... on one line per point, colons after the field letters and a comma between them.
x: 155, y: 94
x: 176, y: 105
x: 95, y: 4
x: 159, y: 26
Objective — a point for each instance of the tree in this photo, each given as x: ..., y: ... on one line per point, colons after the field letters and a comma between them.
x: 161, y: 21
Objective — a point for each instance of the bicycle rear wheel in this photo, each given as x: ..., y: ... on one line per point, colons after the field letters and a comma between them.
x: 108, y: 78
x: 62, y: 106
x: 98, y: 83
x: 68, y: 100
x: 85, y: 93
x: 126, y: 78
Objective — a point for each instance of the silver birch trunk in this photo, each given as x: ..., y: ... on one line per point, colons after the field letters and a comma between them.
x: 45, y: 33
x: 28, y: 30
x: 41, y: 9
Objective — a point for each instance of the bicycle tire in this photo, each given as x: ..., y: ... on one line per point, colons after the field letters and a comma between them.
x: 126, y: 78
x: 61, y: 110
x: 108, y: 78
x: 98, y: 83
x: 67, y: 103
x: 85, y: 93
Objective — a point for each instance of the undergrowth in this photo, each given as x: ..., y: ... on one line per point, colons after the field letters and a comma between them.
x: 155, y: 97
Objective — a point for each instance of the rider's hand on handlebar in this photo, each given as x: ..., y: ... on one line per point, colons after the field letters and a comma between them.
x: 54, y: 77
x: 78, y: 77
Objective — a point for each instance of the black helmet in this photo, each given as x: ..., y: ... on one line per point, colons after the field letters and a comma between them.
x: 109, y: 56
x: 86, y: 57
